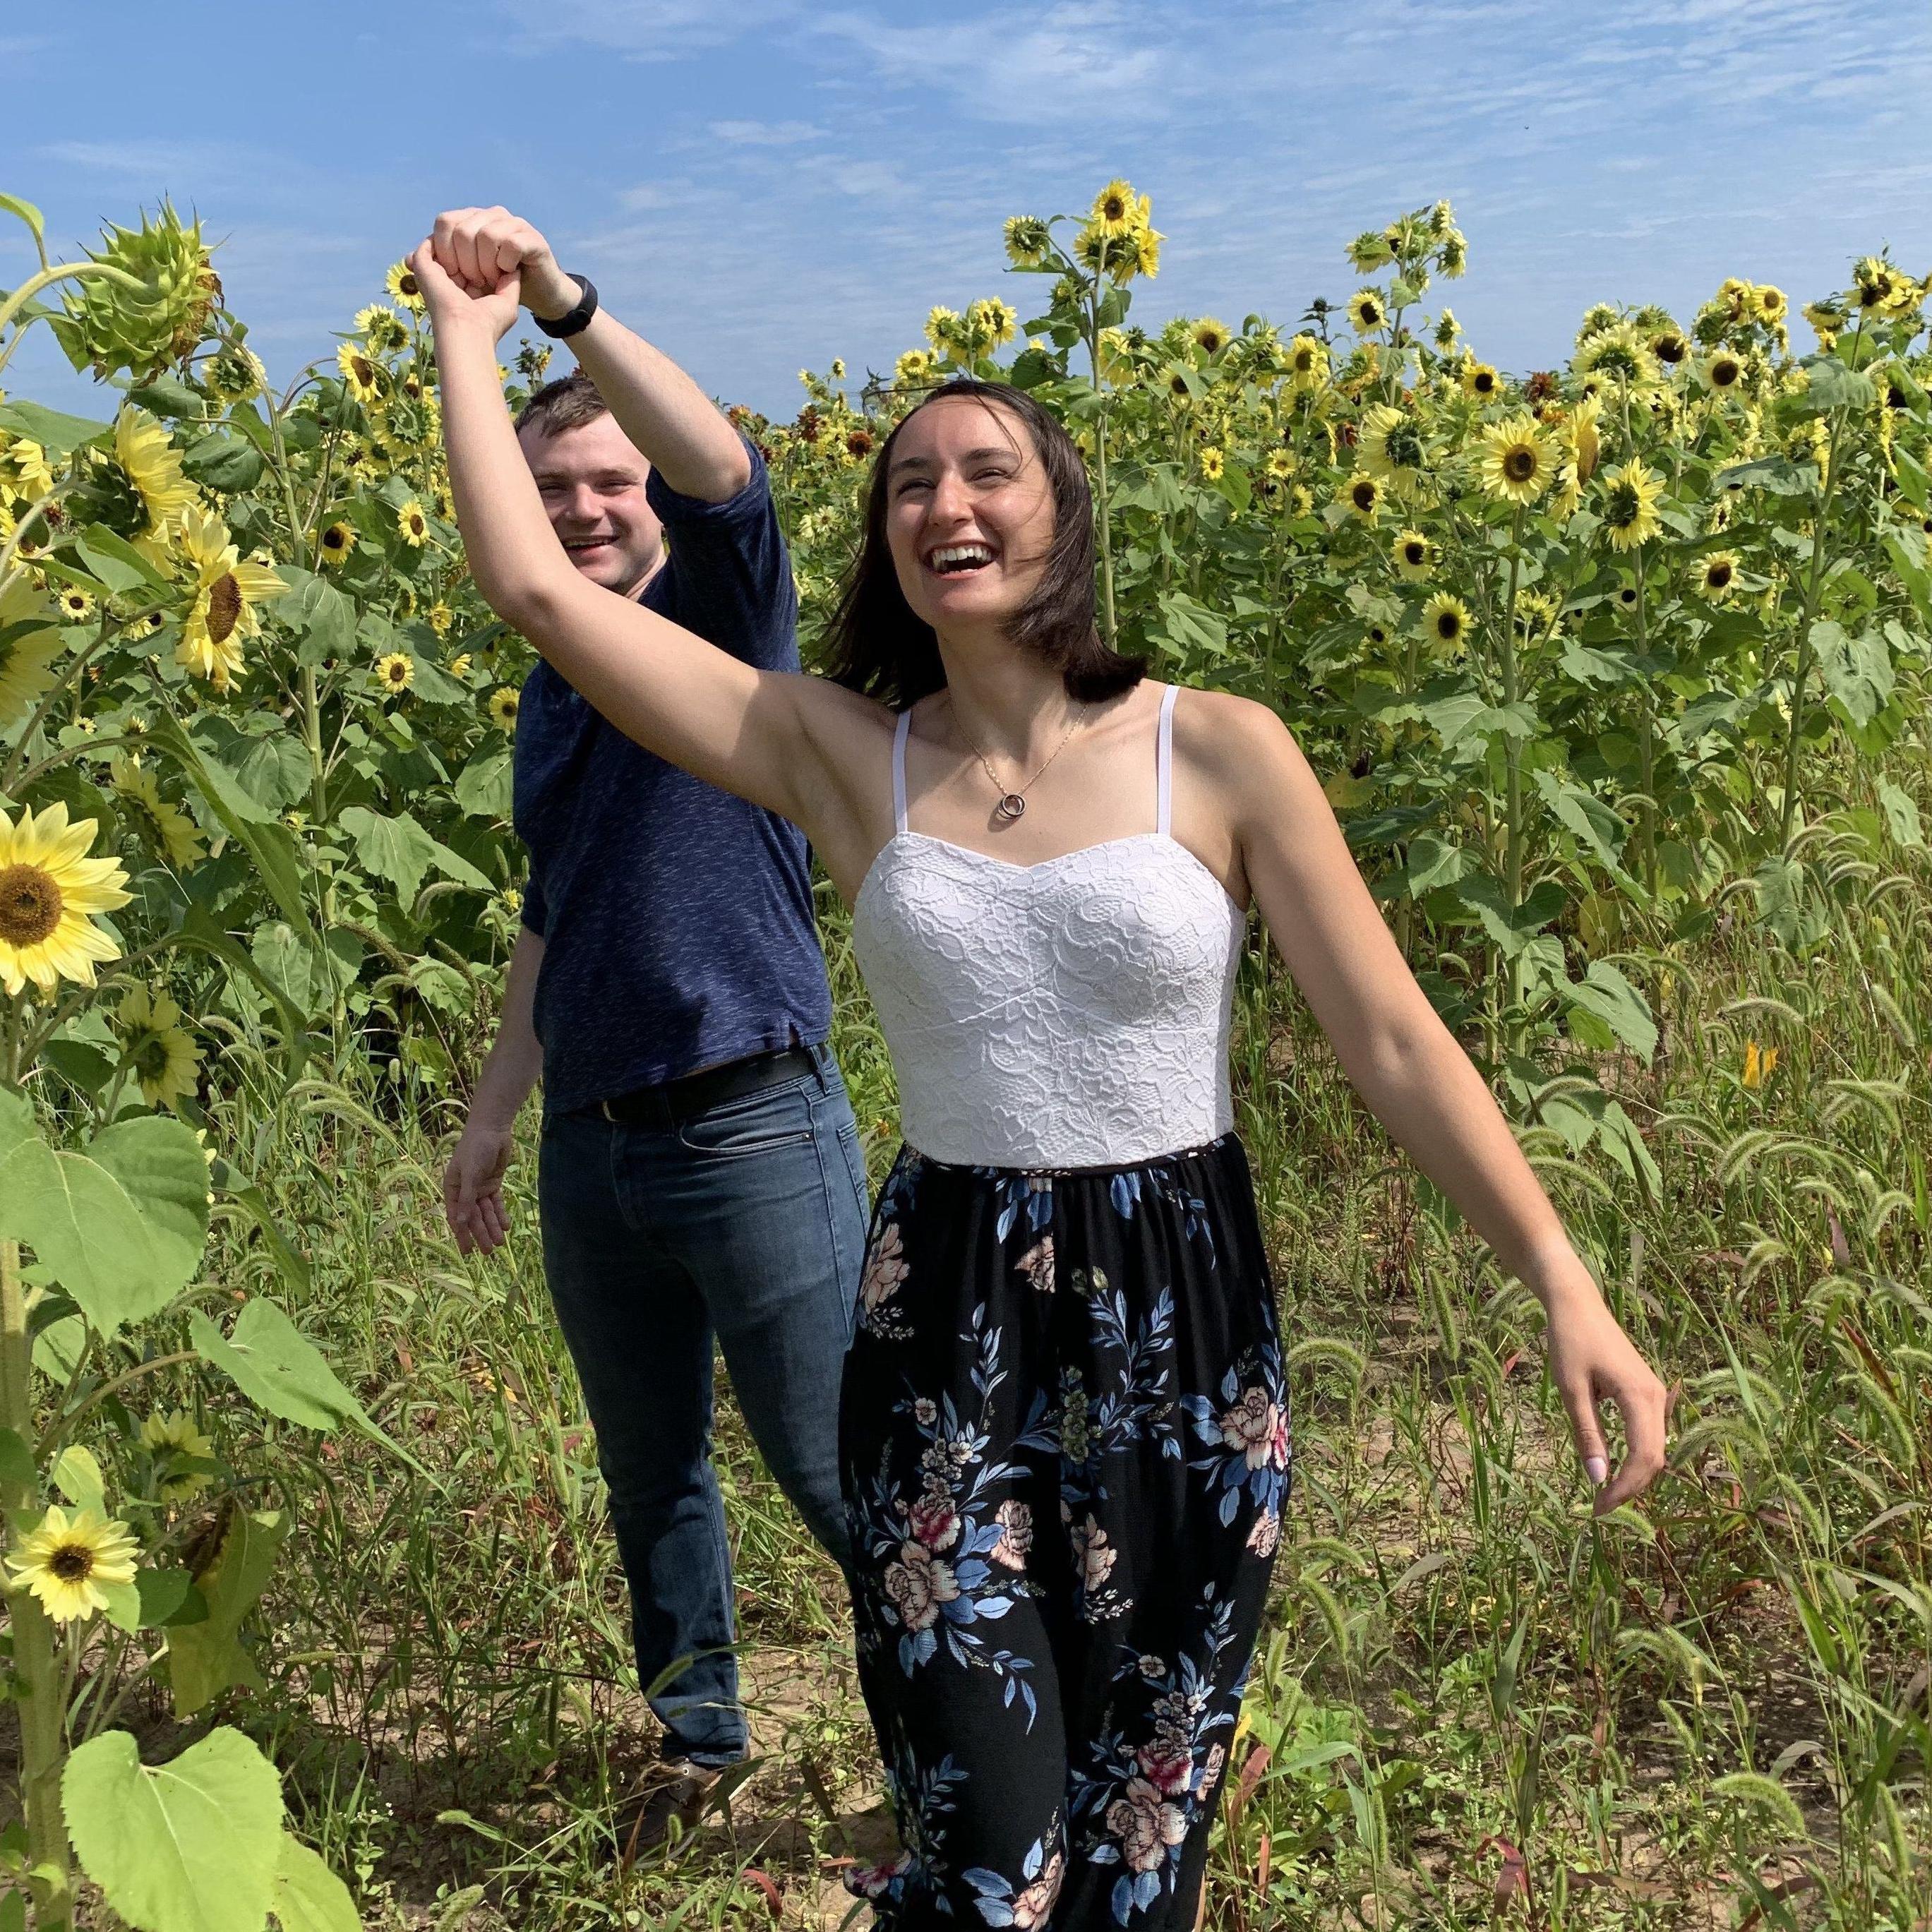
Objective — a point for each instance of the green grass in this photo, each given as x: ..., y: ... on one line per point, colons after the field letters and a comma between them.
x: 1717, y: 1708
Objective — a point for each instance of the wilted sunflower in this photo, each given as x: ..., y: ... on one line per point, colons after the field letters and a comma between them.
x: 1480, y: 379
x: 396, y: 672
x: 1414, y: 555
x: 153, y: 466
x: 413, y: 523
x: 404, y: 287
x: 1619, y: 352
x: 1307, y: 362
x: 1717, y: 576
x: 233, y: 373
x: 222, y: 615
x: 163, y: 1058
x: 1629, y: 511
x: 172, y: 1439
x: 1445, y: 621
x: 1365, y: 312
x: 1722, y: 371
x: 335, y: 543
x: 67, y: 1563
x: 48, y: 888
x: 1517, y: 460
x: 1363, y: 495
x: 1389, y: 444
x: 170, y: 829
x: 502, y: 707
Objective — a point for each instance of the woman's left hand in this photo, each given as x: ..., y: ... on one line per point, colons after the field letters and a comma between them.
x: 454, y: 298
x: 1591, y: 1360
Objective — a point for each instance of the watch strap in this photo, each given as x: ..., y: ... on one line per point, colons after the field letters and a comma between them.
x: 576, y: 318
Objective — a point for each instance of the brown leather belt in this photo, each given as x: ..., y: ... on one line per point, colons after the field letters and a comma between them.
x: 671, y: 1101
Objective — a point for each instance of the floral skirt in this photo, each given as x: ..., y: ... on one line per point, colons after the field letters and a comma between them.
x: 1064, y: 1449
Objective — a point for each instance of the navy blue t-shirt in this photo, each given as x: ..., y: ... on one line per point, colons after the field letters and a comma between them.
x: 677, y: 919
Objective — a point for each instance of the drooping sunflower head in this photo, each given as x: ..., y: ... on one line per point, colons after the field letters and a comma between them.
x: 1414, y: 555
x: 1389, y: 444
x: 156, y: 1047
x: 50, y: 890
x: 1366, y: 311
x: 69, y: 1563
x: 1446, y: 329
x: 1027, y: 239
x: 1536, y: 613
x: 233, y: 373
x: 1628, y: 512
x: 1517, y: 461
x: 1445, y: 622
x: 1597, y: 318
x: 153, y: 466
x: 1371, y: 250
x: 165, y: 824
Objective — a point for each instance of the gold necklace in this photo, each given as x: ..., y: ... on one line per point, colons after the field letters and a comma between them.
x: 1012, y: 803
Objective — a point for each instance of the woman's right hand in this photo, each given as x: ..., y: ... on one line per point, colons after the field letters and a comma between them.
x: 456, y: 301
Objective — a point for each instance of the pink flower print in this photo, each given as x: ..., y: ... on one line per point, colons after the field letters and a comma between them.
x: 1168, y: 1765
x: 1266, y: 1533
x: 1036, y: 1264
x: 886, y: 1268
x: 1016, y: 1521
x: 934, y: 1521
x: 1094, y: 1555
x: 875, y: 1881
x: 1251, y: 1426
x: 918, y: 1583
x: 1031, y: 1907
x: 1210, y: 1769
x: 1146, y: 1825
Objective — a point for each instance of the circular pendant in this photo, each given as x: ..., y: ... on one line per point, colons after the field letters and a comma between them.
x: 1012, y: 805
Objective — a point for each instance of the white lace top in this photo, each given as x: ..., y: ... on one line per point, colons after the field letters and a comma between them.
x: 1070, y: 1013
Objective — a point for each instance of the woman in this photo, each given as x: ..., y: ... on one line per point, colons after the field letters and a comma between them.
x: 1064, y: 1427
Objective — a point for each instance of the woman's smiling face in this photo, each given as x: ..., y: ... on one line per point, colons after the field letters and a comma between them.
x: 969, y: 514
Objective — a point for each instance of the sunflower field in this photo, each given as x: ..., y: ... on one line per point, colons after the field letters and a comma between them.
x: 1615, y: 672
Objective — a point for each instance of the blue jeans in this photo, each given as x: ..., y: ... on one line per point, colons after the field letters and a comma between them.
x: 745, y: 1223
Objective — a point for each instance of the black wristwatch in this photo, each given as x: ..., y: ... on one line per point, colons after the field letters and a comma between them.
x: 576, y: 318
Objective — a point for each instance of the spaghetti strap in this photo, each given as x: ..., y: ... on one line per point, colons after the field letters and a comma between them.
x: 1164, y: 763
x: 898, y: 771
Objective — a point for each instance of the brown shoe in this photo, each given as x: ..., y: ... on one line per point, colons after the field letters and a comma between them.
x: 674, y: 1791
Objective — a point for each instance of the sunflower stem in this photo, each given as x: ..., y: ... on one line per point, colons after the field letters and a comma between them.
x: 41, y: 1755
x: 1512, y: 771
x: 1102, y: 505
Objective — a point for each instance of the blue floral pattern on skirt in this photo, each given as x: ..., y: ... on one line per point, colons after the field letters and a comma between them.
x: 1064, y: 1448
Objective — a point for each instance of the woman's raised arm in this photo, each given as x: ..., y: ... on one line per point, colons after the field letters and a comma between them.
x: 768, y: 735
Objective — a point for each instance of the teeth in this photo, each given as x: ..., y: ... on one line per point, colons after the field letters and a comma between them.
x: 960, y: 553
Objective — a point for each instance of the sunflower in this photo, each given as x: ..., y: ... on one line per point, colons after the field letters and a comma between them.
x: 1629, y: 511
x: 153, y: 466
x: 1452, y: 254
x: 1212, y: 463
x: 1282, y: 464
x: 170, y: 829
x: 1717, y: 576
x: 503, y: 706
x: 30, y: 640
x: 1389, y: 446
x: 335, y: 543
x: 413, y: 523
x: 171, y: 1438
x: 992, y: 322
x: 1147, y: 242
x: 1116, y: 209
x: 1620, y: 352
x: 1581, y: 443
x: 24, y: 469
x: 1598, y: 317
x: 1446, y: 331
x: 1414, y: 555
x: 1769, y: 304
x: 1363, y: 496
x: 66, y: 1563
x: 76, y: 606
x: 362, y: 373
x: 440, y: 617
x: 381, y: 327
x: 164, y: 1059
x: 223, y: 614
x: 48, y: 889
x: 459, y: 665
x: 396, y: 672
x: 1027, y: 239
x: 1370, y: 250
x: 1722, y: 371
x: 1445, y: 620
x: 1536, y: 612
x: 942, y: 328
x: 1480, y: 379
x: 1668, y: 347
x: 1365, y: 312
x: 1517, y: 460
x: 404, y: 287
x: 234, y: 374
x: 1209, y: 336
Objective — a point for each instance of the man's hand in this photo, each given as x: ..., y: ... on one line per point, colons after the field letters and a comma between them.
x: 457, y: 303
x: 480, y: 245
x: 473, y: 1189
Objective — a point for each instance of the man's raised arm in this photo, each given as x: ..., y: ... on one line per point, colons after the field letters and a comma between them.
x: 676, y: 426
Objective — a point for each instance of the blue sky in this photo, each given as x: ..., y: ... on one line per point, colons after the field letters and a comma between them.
x: 758, y: 185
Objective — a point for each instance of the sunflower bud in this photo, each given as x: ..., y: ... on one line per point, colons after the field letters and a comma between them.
x: 111, y: 327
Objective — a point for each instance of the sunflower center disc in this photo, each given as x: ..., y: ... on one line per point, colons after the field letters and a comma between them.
x: 224, y: 608
x: 1012, y: 805
x: 30, y: 904
x: 72, y: 1562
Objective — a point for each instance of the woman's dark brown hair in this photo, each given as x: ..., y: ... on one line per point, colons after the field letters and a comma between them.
x: 877, y: 644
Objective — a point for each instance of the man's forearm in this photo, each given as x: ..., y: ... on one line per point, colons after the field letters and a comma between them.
x: 671, y: 419
x: 515, y: 1061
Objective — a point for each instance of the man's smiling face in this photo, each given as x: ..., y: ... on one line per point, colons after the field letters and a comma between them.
x: 592, y: 481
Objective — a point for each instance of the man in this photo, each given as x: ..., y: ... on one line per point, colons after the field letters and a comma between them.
x: 700, y: 1173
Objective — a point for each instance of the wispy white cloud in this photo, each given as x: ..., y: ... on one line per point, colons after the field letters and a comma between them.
x: 766, y: 133
x: 641, y: 30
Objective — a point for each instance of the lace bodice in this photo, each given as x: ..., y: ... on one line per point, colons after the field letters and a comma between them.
x: 1070, y: 1013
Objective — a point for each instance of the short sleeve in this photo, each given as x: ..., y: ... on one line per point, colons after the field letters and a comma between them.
x: 536, y: 908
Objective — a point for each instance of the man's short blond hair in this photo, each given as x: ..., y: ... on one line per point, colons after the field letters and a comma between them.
x: 568, y: 403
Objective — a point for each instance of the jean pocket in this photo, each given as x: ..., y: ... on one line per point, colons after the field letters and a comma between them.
x: 757, y: 1124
